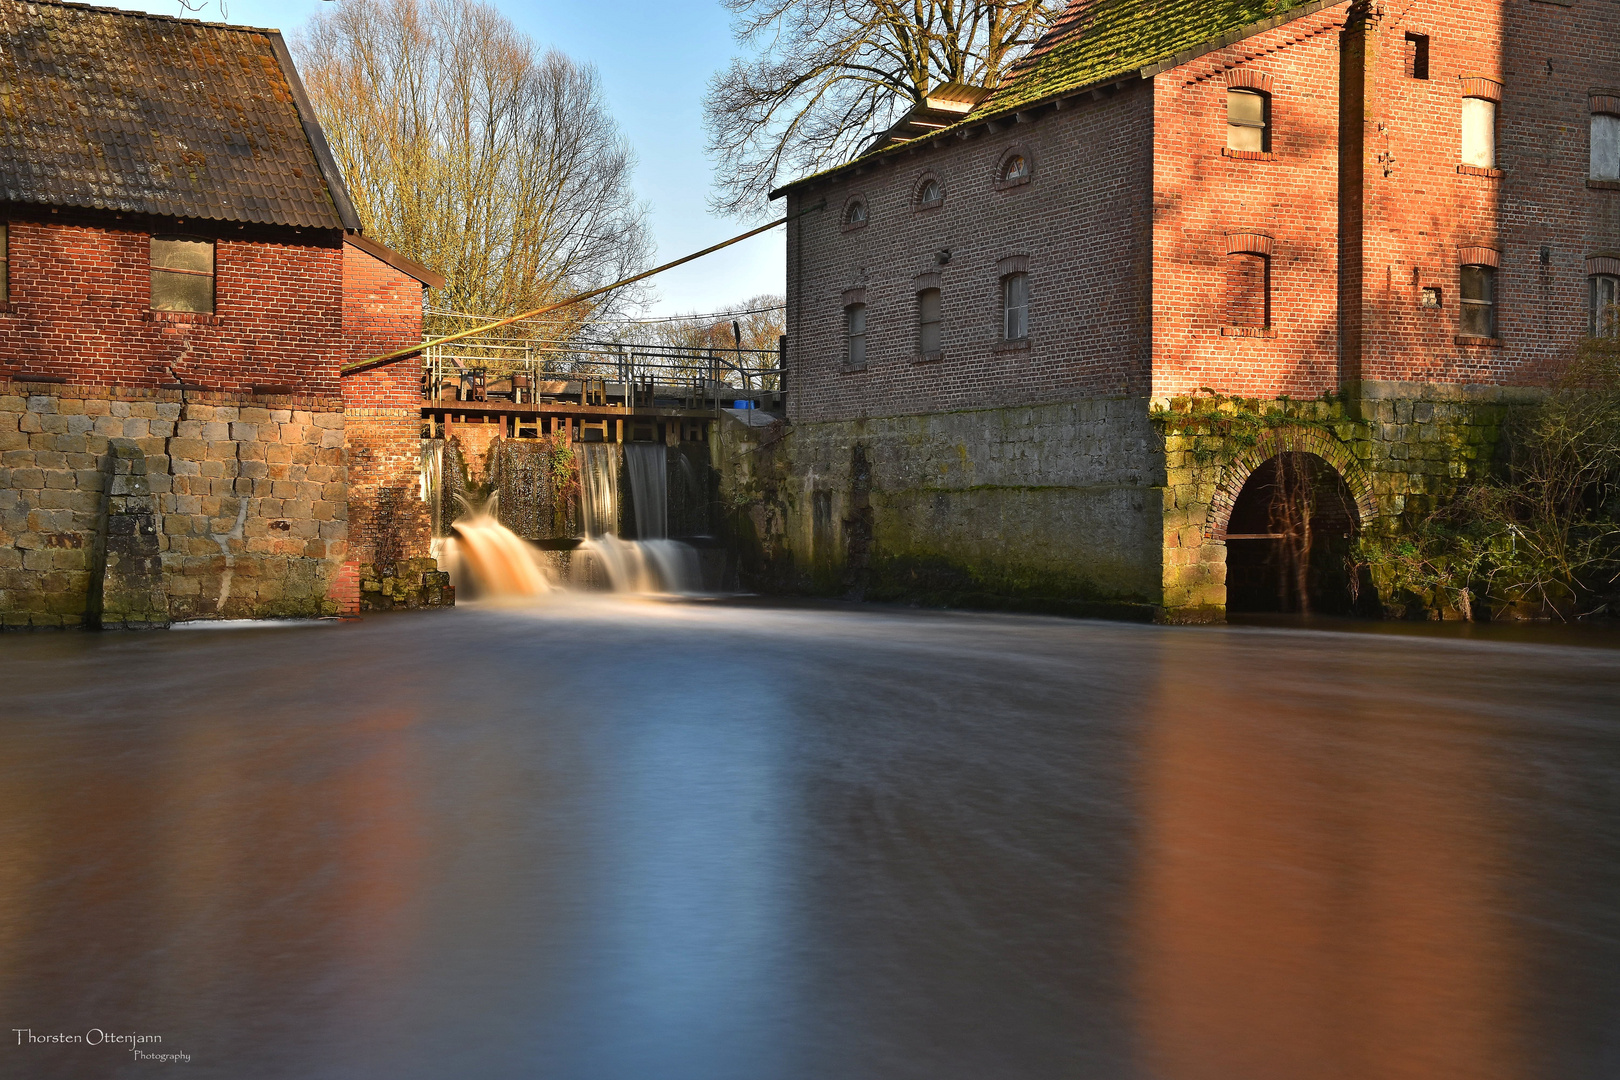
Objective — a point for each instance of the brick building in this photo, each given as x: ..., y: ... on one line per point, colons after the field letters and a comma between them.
x: 182, y: 277
x: 1046, y: 341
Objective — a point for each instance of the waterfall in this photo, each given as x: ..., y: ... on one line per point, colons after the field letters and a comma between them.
x: 496, y: 562
x: 646, y: 566
x: 599, y: 486
x: 648, y: 466
x: 496, y: 559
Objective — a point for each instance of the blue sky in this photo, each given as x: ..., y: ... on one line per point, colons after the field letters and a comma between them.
x: 655, y: 60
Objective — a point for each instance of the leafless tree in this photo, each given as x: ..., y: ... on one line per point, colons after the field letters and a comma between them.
x: 828, y: 75
x: 469, y: 150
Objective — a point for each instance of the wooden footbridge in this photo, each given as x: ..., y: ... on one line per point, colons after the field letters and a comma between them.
x: 595, y: 391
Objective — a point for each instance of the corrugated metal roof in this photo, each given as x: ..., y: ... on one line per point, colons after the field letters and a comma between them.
x: 118, y: 110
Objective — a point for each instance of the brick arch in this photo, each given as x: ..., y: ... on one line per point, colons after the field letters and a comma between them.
x: 1282, y: 440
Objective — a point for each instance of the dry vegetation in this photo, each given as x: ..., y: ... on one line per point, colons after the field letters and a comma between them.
x: 828, y: 75
x: 1543, y: 536
x: 468, y: 149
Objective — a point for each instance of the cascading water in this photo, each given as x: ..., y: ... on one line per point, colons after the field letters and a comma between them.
x: 652, y: 563
x: 648, y: 466
x: 496, y: 562
x: 599, y: 488
x: 494, y: 559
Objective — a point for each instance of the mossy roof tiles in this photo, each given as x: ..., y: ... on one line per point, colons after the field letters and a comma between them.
x: 117, y: 110
x: 1095, y: 42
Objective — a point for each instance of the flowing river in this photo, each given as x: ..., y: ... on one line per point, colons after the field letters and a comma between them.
x: 597, y: 838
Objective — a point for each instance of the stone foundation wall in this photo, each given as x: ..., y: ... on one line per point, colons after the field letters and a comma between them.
x: 247, y: 500
x: 1104, y: 506
x: 1051, y: 507
x: 1402, y: 447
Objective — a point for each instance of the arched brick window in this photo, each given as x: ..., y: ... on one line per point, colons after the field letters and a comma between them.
x: 1476, y: 292
x: 1248, y: 280
x: 1605, y: 145
x: 854, y: 329
x: 1481, y: 98
x: 1603, y: 295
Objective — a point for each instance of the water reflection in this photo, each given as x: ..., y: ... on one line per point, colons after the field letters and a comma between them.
x: 1319, y: 881
x: 615, y: 839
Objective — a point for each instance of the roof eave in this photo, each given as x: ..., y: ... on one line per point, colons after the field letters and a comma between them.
x: 1118, y: 78
x: 409, y: 267
x: 335, y: 187
x: 964, y: 125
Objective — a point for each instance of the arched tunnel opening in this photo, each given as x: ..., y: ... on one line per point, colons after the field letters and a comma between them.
x: 1289, y: 540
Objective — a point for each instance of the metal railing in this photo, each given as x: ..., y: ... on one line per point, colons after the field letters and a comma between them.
x: 473, y: 370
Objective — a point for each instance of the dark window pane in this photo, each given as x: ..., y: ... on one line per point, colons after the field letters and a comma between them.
x: 181, y: 292
x: 1605, y: 294
x: 1476, y: 320
x: 1015, y: 306
x: 855, y: 329
x: 1417, y: 56
x: 1477, y: 283
x: 928, y: 321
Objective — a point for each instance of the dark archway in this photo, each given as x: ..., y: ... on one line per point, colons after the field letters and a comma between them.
x: 1288, y: 540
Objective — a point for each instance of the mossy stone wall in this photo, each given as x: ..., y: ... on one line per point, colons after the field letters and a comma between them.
x: 1112, y: 506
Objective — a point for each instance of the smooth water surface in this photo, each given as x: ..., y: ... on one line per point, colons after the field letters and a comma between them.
x: 605, y: 839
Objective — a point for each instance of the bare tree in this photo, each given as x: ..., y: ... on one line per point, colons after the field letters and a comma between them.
x: 470, y: 151
x: 828, y: 75
x: 685, y: 342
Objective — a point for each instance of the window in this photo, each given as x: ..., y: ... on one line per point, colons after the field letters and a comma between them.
x: 856, y: 214
x: 1605, y: 306
x: 1605, y: 147
x: 1479, y: 132
x: 855, y: 335
x: 182, y: 274
x: 1247, y: 117
x: 1430, y: 297
x: 1479, y: 301
x: 1248, y: 290
x: 1015, y: 307
x: 5, y: 266
x: 1417, y: 56
x: 1015, y: 170
x: 930, y: 193
x: 928, y: 322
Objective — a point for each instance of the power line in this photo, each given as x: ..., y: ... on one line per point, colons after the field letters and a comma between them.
x: 717, y: 315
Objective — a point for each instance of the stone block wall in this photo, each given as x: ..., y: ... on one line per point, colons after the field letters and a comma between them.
x: 1050, y: 507
x: 1401, y: 447
x: 247, y: 495
x: 1112, y: 507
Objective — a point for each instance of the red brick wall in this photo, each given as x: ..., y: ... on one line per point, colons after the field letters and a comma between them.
x: 1096, y: 162
x: 1082, y: 220
x: 1547, y: 57
x: 1202, y: 194
x: 382, y: 311
x: 79, y: 308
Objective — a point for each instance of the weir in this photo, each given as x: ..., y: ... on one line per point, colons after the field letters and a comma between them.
x: 556, y: 515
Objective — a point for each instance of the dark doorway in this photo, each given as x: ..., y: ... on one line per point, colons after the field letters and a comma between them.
x: 1288, y: 541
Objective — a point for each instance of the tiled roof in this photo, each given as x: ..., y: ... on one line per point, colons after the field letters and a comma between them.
x: 1095, y: 42
x: 146, y: 114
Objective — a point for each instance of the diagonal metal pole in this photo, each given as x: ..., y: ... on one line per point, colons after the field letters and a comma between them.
x: 397, y: 354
